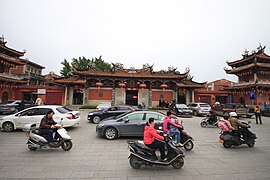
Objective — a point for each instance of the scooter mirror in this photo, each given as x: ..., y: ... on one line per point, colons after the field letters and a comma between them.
x: 159, y: 127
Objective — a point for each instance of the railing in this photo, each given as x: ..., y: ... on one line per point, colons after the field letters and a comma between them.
x: 10, y: 76
x: 250, y: 83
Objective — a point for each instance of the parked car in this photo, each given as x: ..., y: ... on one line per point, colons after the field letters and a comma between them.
x: 97, y: 116
x: 33, y: 115
x: 182, y: 110
x: 240, y: 109
x: 12, y: 106
x: 265, y: 111
x: 103, y: 105
x: 127, y: 124
x: 199, y: 108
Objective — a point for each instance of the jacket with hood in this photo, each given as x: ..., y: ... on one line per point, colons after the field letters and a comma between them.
x: 150, y: 134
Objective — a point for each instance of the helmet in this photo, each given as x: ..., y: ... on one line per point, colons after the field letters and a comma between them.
x: 233, y: 114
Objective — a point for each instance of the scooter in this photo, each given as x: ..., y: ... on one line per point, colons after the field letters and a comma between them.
x: 186, y: 140
x: 229, y: 139
x: 140, y: 154
x: 206, y: 123
x: 35, y: 140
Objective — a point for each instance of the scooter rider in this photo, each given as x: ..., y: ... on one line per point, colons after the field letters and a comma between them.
x: 152, y: 139
x: 212, y: 117
x: 166, y: 127
x: 47, y: 126
x: 236, y: 123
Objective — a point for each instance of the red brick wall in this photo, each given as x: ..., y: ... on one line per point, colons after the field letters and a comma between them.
x: 17, y: 70
x: 168, y: 95
x: 94, y: 94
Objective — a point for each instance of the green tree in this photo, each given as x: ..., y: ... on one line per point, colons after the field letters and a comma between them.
x: 81, y: 64
x: 66, y: 71
x: 100, y: 64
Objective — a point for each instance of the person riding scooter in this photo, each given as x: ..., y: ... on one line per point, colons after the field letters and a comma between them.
x: 236, y: 123
x: 166, y: 127
x: 152, y: 139
x: 212, y: 117
x: 47, y: 126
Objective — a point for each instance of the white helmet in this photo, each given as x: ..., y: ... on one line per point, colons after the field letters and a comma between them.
x: 233, y: 114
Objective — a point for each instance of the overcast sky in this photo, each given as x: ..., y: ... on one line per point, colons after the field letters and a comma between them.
x: 201, y: 35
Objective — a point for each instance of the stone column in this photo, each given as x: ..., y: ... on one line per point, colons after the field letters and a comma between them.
x: 85, y: 96
x: 66, y: 96
x: 70, y: 96
x: 192, y: 95
x: 143, y: 97
x: 120, y: 96
x: 187, y: 94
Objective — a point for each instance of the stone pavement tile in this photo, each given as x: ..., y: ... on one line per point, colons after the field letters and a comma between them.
x: 139, y: 178
x: 190, y: 177
x: 30, y: 169
x: 11, y: 175
x: 104, y: 174
x: 127, y: 173
x: 204, y: 177
x: 10, y: 168
x: 216, y: 171
x: 82, y: 175
x: 116, y: 178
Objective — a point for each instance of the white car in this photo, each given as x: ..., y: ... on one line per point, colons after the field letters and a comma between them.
x: 103, y: 106
x: 33, y: 115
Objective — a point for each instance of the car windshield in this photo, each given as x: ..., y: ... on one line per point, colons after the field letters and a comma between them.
x: 7, y: 102
x: 181, y: 106
x: 63, y: 110
x: 204, y: 105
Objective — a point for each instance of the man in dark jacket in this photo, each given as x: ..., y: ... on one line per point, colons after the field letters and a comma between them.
x: 47, y: 126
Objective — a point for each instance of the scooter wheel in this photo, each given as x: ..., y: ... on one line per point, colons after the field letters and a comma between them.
x: 178, y: 163
x: 67, y: 145
x: 32, y: 148
x: 251, y: 144
x: 135, y: 162
x: 189, y: 146
x: 226, y: 144
x: 203, y: 124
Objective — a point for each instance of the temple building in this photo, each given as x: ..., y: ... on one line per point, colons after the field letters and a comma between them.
x: 128, y: 86
x: 253, y: 72
x: 22, y: 79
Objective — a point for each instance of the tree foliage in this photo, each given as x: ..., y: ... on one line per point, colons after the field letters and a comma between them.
x: 66, y: 71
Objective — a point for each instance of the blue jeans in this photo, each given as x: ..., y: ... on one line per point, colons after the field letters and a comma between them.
x: 49, y: 133
x: 177, y: 132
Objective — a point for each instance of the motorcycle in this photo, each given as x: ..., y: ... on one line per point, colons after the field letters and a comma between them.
x: 229, y: 139
x: 35, y: 140
x: 140, y: 154
x: 185, y: 139
x: 206, y: 123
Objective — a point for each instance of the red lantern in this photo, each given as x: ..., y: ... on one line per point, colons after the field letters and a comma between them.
x: 142, y: 86
x: 122, y: 85
x: 163, y: 86
x: 98, y: 85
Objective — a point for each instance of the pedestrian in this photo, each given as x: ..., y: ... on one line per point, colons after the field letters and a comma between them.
x: 258, y: 114
x: 21, y: 105
x: 39, y: 101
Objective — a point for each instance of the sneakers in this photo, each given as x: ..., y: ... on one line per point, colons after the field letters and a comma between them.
x: 179, y: 144
x: 163, y: 160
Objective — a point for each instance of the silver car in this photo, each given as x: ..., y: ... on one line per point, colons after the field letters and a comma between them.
x: 199, y: 108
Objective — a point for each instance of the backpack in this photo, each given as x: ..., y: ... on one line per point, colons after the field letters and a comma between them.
x: 223, y: 126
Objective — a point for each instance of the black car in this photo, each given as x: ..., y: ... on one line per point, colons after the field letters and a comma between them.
x: 97, y: 116
x: 265, y: 111
x: 128, y: 124
x: 12, y: 106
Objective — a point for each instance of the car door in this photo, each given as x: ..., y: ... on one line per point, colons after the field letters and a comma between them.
x: 159, y: 118
x: 131, y: 124
x: 38, y: 115
x: 25, y: 117
x: 112, y: 111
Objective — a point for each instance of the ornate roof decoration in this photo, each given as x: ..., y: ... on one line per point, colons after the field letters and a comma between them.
x: 70, y: 80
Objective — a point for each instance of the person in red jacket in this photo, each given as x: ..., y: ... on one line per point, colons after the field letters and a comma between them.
x: 174, y: 130
x: 152, y: 139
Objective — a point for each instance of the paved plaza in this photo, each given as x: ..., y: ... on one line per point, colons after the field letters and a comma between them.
x: 93, y: 157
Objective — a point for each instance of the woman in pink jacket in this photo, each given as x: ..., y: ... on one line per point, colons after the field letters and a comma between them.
x: 152, y: 139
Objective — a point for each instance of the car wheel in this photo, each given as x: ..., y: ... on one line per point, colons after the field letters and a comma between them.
x: 251, y: 144
x: 111, y: 133
x: 178, y: 163
x: 8, y: 127
x: 67, y: 145
x: 96, y: 119
x: 195, y: 113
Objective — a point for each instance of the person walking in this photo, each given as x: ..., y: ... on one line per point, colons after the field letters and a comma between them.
x: 258, y: 114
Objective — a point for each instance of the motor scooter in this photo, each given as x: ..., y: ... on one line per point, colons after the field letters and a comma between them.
x: 206, y: 123
x: 35, y: 140
x: 140, y: 154
x: 229, y: 139
x: 186, y: 140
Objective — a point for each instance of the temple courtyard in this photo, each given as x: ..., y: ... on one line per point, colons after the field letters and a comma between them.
x: 94, y: 157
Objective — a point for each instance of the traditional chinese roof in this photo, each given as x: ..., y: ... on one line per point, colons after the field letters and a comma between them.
x: 10, y: 59
x: 190, y: 84
x: 14, y: 80
x: 247, y: 67
x: 11, y: 51
x: 260, y: 56
x: 132, y: 74
x: 32, y: 63
x: 70, y: 80
x: 248, y: 85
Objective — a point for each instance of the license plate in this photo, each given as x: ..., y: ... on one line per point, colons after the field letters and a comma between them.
x: 221, y: 141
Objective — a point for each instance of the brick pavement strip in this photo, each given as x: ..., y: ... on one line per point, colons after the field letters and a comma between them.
x: 93, y: 157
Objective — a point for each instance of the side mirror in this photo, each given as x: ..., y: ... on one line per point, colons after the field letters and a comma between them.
x: 125, y: 120
x: 159, y: 127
